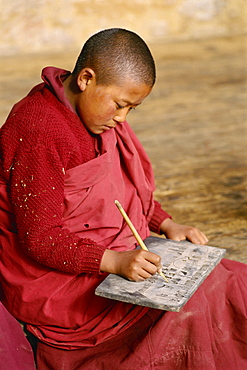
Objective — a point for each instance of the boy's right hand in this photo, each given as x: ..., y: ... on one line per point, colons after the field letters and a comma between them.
x: 136, y: 265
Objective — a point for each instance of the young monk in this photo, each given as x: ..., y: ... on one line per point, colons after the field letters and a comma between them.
x: 67, y: 153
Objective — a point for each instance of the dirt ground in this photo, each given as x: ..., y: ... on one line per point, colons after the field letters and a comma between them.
x: 193, y: 126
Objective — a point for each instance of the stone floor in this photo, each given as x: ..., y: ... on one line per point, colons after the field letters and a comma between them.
x: 193, y: 126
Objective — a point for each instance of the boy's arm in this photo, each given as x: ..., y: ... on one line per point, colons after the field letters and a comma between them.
x: 159, y: 215
x: 37, y: 192
x: 162, y: 223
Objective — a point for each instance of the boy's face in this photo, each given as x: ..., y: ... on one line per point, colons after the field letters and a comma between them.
x: 102, y: 107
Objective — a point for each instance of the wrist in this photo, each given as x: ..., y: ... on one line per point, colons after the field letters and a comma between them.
x: 166, y: 224
x: 109, y: 261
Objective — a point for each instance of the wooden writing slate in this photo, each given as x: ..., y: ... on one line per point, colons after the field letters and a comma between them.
x: 184, y: 264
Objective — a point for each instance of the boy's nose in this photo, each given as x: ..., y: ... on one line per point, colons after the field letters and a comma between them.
x: 121, y: 115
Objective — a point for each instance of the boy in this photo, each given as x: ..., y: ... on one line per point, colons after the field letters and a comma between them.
x: 66, y: 154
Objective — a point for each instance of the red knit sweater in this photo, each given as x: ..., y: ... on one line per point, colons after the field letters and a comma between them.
x: 39, y: 142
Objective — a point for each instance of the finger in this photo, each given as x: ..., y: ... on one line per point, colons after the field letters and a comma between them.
x: 204, y: 238
x: 149, y: 268
x: 141, y: 275
x: 197, y: 237
x: 152, y: 258
x: 145, y: 275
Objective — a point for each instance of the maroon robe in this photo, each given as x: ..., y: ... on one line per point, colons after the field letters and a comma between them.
x: 15, y: 350
x: 61, y: 309
x: 209, y: 333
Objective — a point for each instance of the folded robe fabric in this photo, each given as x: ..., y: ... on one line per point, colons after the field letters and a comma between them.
x: 209, y: 333
x: 60, y: 308
x: 15, y: 350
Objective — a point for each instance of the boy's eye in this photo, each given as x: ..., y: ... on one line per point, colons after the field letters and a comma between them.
x: 119, y: 106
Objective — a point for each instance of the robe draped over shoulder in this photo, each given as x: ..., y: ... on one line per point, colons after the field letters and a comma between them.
x: 60, y: 308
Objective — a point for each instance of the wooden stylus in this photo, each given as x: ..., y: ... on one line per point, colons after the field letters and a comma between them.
x: 134, y: 231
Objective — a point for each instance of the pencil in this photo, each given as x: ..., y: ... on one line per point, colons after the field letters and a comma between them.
x: 134, y: 231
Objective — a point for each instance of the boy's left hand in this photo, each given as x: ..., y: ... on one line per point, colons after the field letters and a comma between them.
x: 182, y: 232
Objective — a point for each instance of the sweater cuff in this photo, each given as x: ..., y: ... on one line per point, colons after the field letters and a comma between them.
x: 159, y: 215
x: 92, y: 256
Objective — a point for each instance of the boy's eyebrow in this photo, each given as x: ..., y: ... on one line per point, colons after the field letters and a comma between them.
x: 129, y: 103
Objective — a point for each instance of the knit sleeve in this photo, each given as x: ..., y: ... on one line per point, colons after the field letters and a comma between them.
x: 37, y: 185
x: 159, y: 215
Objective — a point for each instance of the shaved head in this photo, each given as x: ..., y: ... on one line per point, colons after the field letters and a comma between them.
x: 116, y: 54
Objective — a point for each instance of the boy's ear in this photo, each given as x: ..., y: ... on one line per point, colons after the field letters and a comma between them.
x: 85, y: 77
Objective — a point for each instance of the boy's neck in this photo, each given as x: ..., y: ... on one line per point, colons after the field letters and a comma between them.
x: 71, y: 89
